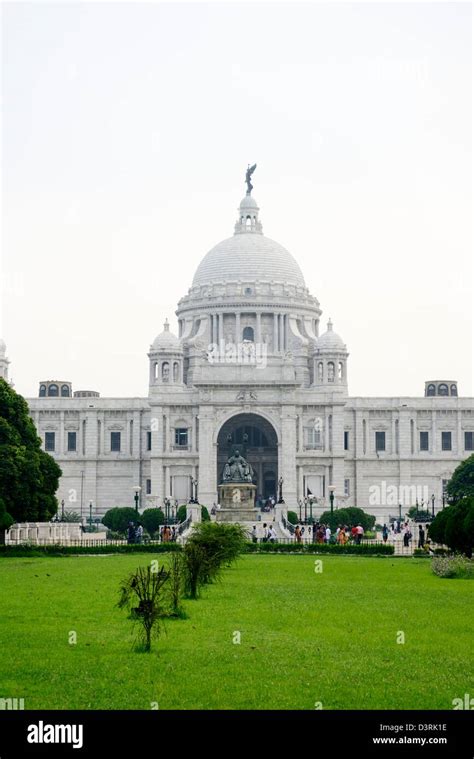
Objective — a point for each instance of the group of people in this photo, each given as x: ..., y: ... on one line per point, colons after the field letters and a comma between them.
x: 134, y: 533
x: 269, y: 534
x: 396, y: 528
x: 266, y: 504
x: 322, y: 533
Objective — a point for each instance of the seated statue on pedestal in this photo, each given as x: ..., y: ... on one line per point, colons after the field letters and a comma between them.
x: 237, y: 469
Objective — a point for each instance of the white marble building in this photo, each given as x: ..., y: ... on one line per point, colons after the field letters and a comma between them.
x: 252, y: 366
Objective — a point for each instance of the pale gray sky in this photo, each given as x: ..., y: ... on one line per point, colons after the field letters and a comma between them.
x: 127, y: 129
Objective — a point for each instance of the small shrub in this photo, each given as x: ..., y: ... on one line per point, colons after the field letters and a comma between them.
x: 205, y: 516
x: 117, y: 519
x: 181, y: 513
x: 292, y: 517
x: 146, y: 587
x: 151, y: 519
x: 453, y: 567
x: 176, y: 583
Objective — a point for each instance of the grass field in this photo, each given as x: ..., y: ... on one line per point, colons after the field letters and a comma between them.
x: 305, y: 637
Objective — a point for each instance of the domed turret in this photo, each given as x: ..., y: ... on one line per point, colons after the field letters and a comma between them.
x: 330, y: 361
x: 166, y: 359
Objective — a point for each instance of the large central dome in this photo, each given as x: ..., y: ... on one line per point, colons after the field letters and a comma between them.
x: 248, y: 255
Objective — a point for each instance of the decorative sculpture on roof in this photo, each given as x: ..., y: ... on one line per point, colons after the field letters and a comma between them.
x: 250, y: 170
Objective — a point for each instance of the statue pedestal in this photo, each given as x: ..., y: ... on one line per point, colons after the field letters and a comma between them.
x: 237, y: 501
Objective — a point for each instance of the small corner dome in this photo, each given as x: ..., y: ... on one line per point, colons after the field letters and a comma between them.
x: 330, y: 340
x: 166, y: 340
x: 248, y: 202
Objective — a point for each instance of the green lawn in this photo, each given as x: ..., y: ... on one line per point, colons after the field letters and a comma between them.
x: 305, y: 637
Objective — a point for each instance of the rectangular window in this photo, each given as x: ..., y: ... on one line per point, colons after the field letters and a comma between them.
x: 181, y: 437
x: 148, y: 487
x: 71, y: 441
x: 346, y: 440
x: 148, y: 440
x: 424, y: 441
x: 312, y: 438
x: 115, y: 441
x: 380, y: 441
x: 347, y: 487
x: 446, y: 441
x: 469, y: 441
x: 49, y: 441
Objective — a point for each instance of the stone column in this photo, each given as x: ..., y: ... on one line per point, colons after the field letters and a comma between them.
x: 207, y: 486
x: 221, y: 327
x: 62, y: 434
x: 301, y: 493
x: 282, y: 332
x: 194, y: 434
x: 167, y: 481
x: 168, y: 444
x: 287, y: 462
x: 237, y: 327
x: 275, y: 332
x: 258, y: 331
x: 435, y: 445
x: 156, y: 456
x: 458, y: 447
x: 300, y: 433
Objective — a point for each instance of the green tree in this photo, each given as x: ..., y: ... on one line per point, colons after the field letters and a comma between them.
x: 29, y: 476
x: 117, y: 519
x: 350, y: 516
x: 454, y: 526
x: 6, y: 521
x: 151, y: 519
x: 145, y: 587
x: 461, y: 484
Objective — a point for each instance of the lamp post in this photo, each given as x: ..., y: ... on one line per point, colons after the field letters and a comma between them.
x: 417, y: 507
x: 331, y: 497
x: 90, y: 516
x: 62, y: 510
x: 399, y: 513
x: 300, y: 504
x: 432, y: 505
x: 311, y: 509
x: 137, y: 489
x: 306, y: 509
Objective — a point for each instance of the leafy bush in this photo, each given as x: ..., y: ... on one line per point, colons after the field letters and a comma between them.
x: 177, y: 576
x: 205, y: 516
x: 454, y: 526
x: 117, y: 519
x: 71, y: 516
x: 57, y: 550
x: 420, y: 553
x: 453, y: 566
x: 181, y: 513
x: 151, y: 519
x: 211, y: 545
x: 421, y: 515
x: 292, y: 517
x: 367, y: 549
x: 351, y: 517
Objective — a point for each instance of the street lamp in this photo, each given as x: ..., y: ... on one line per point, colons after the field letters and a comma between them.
x: 137, y: 490
x: 90, y: 516
x: 311, y: 509
x: 417, y: 507
x: 399, y: 513
x: 300, y: 504
x: 432, y: 505
x: 62, y: 510
x: 331, y: 497
x: 306, y: 509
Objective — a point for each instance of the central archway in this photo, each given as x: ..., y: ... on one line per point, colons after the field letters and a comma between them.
x: 258, y: 443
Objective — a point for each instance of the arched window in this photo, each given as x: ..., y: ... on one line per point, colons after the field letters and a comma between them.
x: 53, y: 390
x: 431, y: 390
x: 443, y: 389
x: 248, y: 222
x: 65, y: 391
x: 320, y: 371
x: 42, y: 391
x: 248, y: 334
x: 454, y: 390
x: 340, y: 371
x: 330, y: 371
x: 165, y: 371
x: 175, y: 372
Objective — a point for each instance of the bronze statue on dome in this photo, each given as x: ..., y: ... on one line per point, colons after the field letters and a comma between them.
x: 250, y: 170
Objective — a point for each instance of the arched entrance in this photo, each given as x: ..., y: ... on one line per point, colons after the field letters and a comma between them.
x: 258, y: 443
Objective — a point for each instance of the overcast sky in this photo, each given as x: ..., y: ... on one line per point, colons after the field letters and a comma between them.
x: 127, y: 129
